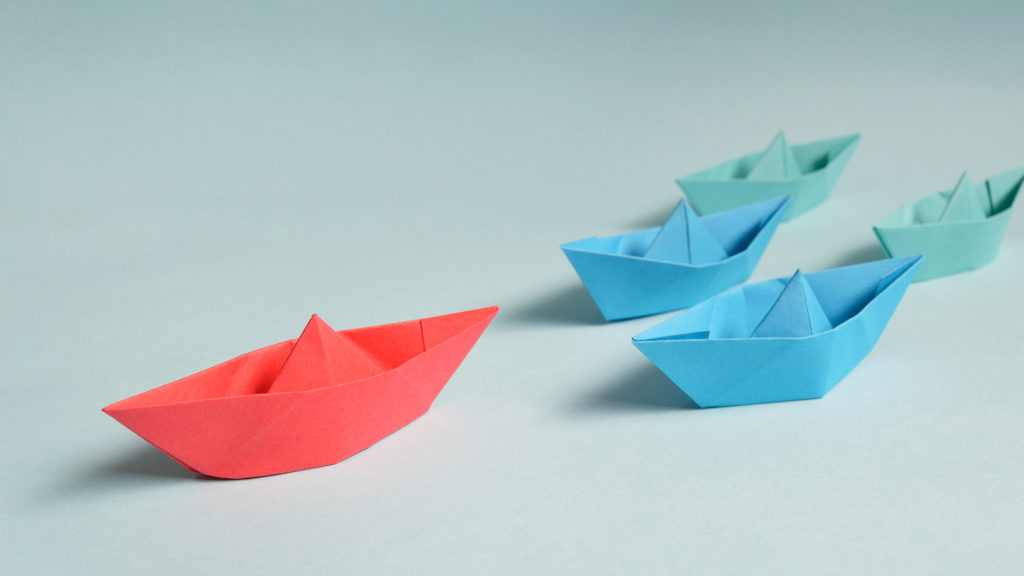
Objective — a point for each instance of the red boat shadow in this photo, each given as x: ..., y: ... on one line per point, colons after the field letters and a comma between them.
x: 140, y: 467
x: 145, y: 462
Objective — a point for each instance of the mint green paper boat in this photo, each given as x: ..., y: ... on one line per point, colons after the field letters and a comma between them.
x: 807, y: 172
x: 957, y: 230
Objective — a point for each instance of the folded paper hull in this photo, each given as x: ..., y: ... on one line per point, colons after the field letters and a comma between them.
x: 956, y: 246
x: 625, y: 286
x: 950, y: 248
x: 723, y: 186
x: 234, y: 433
x: 735, y: 371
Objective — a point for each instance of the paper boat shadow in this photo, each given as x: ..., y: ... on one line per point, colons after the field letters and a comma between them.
x: 565, y: 305
x: 868, y: 253
x: 139, y: 466
x: 642, y: 388
x: 651, y: 219
x: 144, y: 462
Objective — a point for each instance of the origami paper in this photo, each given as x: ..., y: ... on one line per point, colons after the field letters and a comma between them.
x: 807, y: 172
x: 675, y: 265
x: 781, y: 339
x: 303, y: 403
x: 957, y: 230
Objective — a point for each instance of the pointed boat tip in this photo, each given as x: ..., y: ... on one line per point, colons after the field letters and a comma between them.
x: 782, y: 204
x: 115, y: 411
x: 487, y: 313
x: 574, y: 247
x: 640, y: 339
x: 683, y: 206
x: 905, y: 265
x: 316, y: 320
x: 964, y: 178
x: 571, y: 245
x: 848, y: 141
x: 911, y: 259
x: 114, y: 408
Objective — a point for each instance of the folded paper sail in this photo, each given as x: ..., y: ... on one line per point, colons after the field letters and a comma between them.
x: 303, y: 403
x: 807, y: 172
x: 781, y: 339
x: 686, y: 260
x: 956, y: 230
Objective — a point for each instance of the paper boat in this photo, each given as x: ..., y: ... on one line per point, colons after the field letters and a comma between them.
x: 781, y: 339
x: 303, y: 403
x: 807, y: 172
x: 686, y: 260
x: 957, y: 230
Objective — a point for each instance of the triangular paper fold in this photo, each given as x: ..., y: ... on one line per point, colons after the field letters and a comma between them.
x: 323, y: 357
x: 777, y: 161
x: 795, y: 314
x: 685, y: 239
x: 964, y: 203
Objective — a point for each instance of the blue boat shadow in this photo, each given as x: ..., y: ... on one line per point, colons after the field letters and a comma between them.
x: 654, y: 218
x: 566, y: 305
x: 860, y: 255
x: 641, y: 388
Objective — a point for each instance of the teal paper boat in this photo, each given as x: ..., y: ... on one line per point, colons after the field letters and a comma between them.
x: 807, y: 172
x: 781, y: 339
x: 676, y: 265
x: 957, y: 230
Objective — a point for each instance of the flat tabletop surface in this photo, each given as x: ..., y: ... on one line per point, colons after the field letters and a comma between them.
x: 181, y: 184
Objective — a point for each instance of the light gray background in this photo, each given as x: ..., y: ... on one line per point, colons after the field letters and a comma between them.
x: 184, y: 183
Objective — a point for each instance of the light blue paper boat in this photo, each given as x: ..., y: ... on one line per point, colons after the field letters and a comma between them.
x: 807, y: 172
x: 779, y: 339
x: 957, y: 230
x: 686, y: 260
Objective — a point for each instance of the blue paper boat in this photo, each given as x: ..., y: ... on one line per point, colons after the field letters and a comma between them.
x: 957, y: 230
x: 676, y: 265
x: 807, y: 172
x: 781, y: 339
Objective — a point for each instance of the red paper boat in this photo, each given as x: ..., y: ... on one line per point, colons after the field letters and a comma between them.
x: 304, y: 403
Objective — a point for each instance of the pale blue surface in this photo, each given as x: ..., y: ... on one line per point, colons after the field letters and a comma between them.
x: 184, y: 182
x: 718, y: 355
x: 626, y: 280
